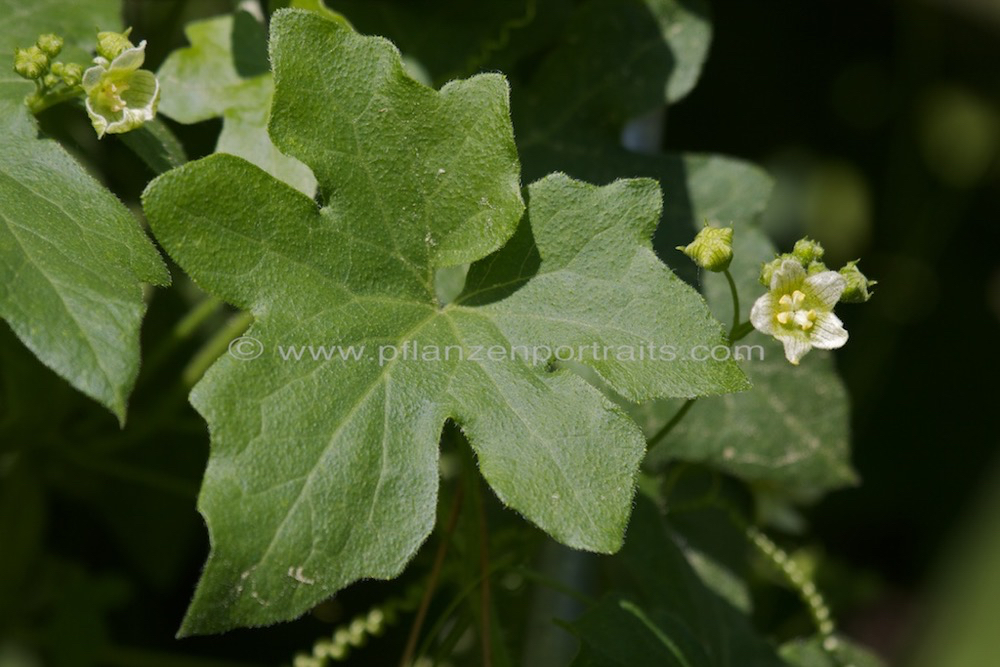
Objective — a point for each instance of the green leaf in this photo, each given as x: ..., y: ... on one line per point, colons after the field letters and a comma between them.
x: 571, y: 114
x: 324, y: 472
x: 224, y: 73
x: 454, y: 38
x: 317, y: 6
x: 662, y: 39
x: 663, y: 615
x: 617, y: 60
x: 790, y: 430
x: 708, y: 512
x: 810, y: 653
x: 71, y: 255
x: 156, y: 145
x: 687, y: 30
x: 597, y: 281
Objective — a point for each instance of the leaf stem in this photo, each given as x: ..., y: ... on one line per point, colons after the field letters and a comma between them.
x: 736, y: 302
x: 181, y: 331
x: 740, y: 331
x: 501, y: 564
x: 669, y: 426
x: 44, y: 98
x: 425, y: 601
x: 552, y: 584
x: 215, y: 348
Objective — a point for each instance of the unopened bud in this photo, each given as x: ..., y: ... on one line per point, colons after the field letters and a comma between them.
x: 807, y: 251
x: 712, y: 248
x: 111, y: 44
x: 72, y: 74
x: 31, y: 63
x: 50, y: 44
x: 858, y: 288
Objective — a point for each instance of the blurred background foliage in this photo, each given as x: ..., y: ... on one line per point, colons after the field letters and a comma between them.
x: 880, y: 122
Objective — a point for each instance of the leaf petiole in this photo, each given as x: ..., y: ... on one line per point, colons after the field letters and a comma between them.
x: 669, y: 426
x: 740, y: 331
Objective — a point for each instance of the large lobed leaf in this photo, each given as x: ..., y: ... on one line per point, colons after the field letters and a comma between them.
x: 324, y: 472
x: 225, y: 74
x: 791, y: 429
x: 71, y: 255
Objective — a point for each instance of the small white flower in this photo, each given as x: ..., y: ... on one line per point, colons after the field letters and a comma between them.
x: 798, y: 310
x: 120, y: 96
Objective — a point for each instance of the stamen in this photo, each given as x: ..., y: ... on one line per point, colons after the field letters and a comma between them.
x: 804, y: 319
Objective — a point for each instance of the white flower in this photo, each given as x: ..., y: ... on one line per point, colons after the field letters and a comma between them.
x: 120, y: 96
x: 798, y: 310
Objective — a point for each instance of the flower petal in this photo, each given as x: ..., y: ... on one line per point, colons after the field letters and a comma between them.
x: 787, y: 277
x: 826, y: 288
x: 130, y: 58
x: 828, y: 332
x: 796, y: 347
x: 143, y: 90
x: 92, y: 77
x: 101, y: 118
x: 762, y: 314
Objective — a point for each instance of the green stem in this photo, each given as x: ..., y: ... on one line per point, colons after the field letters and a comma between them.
x: 557, y: 586
x: 215, y: 348
x: 819, y: 610
x: 43, y: 99
x: 438, y: 625
x: 459, y: 625
x: 183, y: 330
x: 736, y: 302
x: 669, y: 426
x: 740, y: 331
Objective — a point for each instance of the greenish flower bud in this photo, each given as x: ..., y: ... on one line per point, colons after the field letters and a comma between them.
x: 110, y: 45
x: 858, y: 288
x: 711, y: 249
x: 50, y: 44
x: 807, y: 251
x: 816, y: 267
x: 50, y: 80
x: 31, y: 63
x: 767, y: 269
x: 72, y: 74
